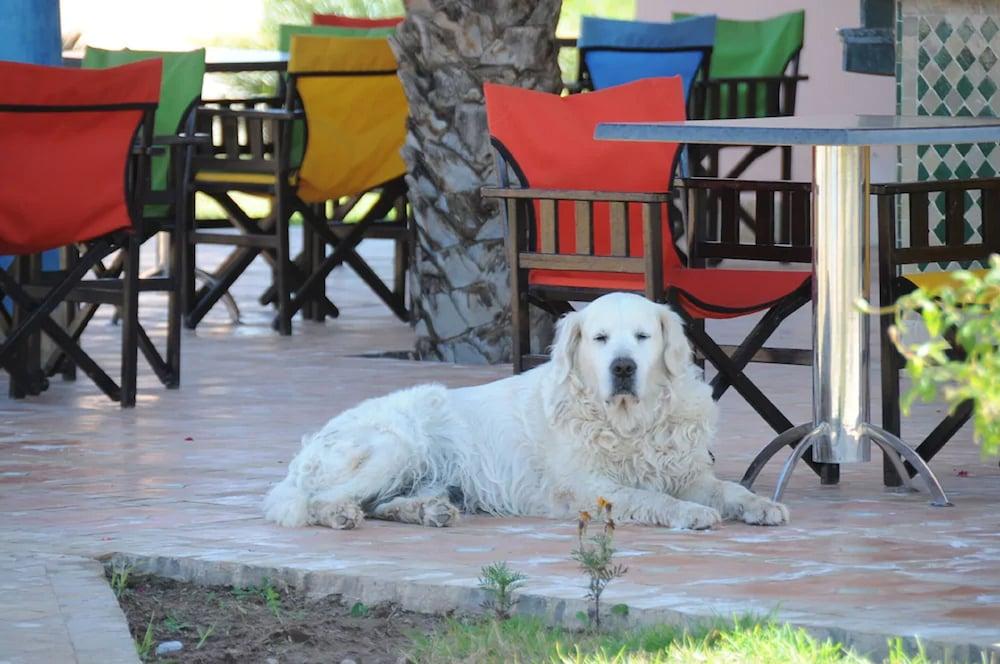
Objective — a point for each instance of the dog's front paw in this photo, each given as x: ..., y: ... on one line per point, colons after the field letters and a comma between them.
x: 438, y: 513
x: 760, y: 511
x: 694, y: 517
x: 339, y: 516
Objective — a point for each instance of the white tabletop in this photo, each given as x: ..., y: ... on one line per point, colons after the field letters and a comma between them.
x: 811, y: 130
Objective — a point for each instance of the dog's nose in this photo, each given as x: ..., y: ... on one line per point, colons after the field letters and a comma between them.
x: 623, y: 367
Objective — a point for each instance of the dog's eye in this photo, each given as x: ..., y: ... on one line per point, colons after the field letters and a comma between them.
x: 601, y: 338
x: 641, y: 336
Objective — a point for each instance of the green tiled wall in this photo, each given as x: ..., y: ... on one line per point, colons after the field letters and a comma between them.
x: 947, y: 65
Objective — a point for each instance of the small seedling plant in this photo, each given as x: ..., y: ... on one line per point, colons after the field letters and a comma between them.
x: 203, y: 634
x: 595, y: 556
x: 499, y: 582
x: 175, y: 624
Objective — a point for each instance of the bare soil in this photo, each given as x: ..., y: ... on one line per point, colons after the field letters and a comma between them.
x: 265, y: 624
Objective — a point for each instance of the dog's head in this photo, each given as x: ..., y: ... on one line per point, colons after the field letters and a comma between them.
x: 622, y: 346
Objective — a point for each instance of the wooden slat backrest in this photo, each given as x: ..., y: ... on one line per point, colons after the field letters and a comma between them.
x: 768, y: 241
x: 919, y: 198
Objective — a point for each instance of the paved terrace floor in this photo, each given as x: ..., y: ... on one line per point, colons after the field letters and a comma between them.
x: 175, y: 485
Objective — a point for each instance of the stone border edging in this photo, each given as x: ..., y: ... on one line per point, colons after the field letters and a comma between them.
x: 424, y: 597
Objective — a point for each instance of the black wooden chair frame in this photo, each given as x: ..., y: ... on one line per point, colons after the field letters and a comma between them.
x: 251, y: 138
x: 176, y: 207
x: 779, y: 93
x: 893, y: 285
x: 254, y: 140
x: 258, y: 140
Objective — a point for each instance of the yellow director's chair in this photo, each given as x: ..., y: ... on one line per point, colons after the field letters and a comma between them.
x: 332, y: 154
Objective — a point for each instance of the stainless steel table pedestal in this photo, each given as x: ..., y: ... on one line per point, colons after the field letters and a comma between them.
x: 840, y: 432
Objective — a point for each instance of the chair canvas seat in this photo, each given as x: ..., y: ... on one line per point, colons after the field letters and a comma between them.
x: 614, y: 52
x: 703, y: 293
x: 237, y: 178
x: 932, y: 281
x: 330, y: 153
x: 287, y: 31
x: 754, y: 48
x: 74, y: 179
x: 180, y: 91
x: 42, y: 188
x: 348, y: 152
x: 336, y: 20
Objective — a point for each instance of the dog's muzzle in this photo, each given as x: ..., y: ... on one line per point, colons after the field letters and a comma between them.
x: 623, y: 376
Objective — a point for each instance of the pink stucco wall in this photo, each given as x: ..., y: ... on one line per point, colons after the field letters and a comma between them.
x: 829, y: 89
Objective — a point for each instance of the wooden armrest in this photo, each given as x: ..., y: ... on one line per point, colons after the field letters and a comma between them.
x: 279, y: 114
x: 741, y: 185
x: 889, y: 188
x: 733, y: 80
x: 182, y: 139
x: 246, y: 101
x: 574, y: 195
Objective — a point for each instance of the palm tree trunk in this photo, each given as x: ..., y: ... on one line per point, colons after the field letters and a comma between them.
x: 446, y: 50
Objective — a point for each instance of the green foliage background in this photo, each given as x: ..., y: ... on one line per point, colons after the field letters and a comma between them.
x: 277, y: 12
x: 569, y: 26
x: 966, y: 315
x: 297, y: 12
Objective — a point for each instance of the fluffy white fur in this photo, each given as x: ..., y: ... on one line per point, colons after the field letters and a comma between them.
x: 545, y: 443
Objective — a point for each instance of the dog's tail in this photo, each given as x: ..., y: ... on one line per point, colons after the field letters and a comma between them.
x: 287, y: 504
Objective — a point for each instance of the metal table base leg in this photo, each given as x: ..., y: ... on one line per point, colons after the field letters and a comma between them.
x: 790, y: 437
x: 890, y: 444
x: 805, y: 445
x: 896, y: 450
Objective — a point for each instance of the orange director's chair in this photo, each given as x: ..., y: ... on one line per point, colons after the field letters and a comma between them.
x: 586, y: 217
x: 75, y: 167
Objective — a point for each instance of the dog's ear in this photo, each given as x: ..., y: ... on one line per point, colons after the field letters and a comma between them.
x: 568, y: 335
x: 676, y: 349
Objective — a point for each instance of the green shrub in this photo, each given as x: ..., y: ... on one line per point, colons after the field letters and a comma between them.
x: 967, y: 317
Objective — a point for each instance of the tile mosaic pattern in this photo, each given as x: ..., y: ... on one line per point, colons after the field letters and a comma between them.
x: 948, y: 66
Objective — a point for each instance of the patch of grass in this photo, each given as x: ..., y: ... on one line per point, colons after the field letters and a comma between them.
x: 266, y: 592
x: 175, y: 624
x: 520, y: 639
x: 272, y: 598
x: 620, y: 610
x: 528, y: 639
x: 119, y: 578
x: 747, y: 640
x: 145, y: 647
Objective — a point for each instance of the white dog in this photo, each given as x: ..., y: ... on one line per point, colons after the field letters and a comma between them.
x: 620, y: 412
